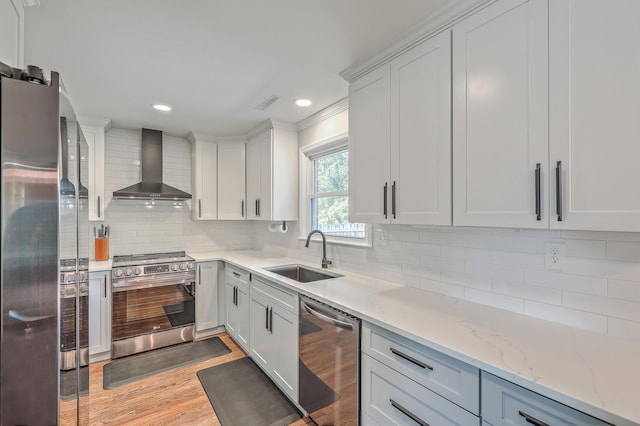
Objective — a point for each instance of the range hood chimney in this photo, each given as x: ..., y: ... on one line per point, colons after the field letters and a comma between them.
x: 151, y: 187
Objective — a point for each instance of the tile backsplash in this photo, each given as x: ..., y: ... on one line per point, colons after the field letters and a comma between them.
x: 598, y: 288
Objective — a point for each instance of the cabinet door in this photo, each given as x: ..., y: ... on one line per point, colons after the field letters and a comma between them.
x: 207, y: 296
x: 253, y: 177
x: 421, y: 134
x: 369, y: 185
x: 205, y: 200
x: 99, y: 313
x: 12, y: 33
x: 284, y: 347
x: 260, y: 334
x: 500, y: 65
x: 231, y: 181
x: 594, y: 110
x: 95, y: 136
x: 243, y: 316
x: 231, y: 310
x: 266, y: 177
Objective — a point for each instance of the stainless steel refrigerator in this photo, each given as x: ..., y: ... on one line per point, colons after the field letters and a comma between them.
x: 44, y: 342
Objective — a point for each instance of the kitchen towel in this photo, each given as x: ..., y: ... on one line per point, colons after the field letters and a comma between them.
x: 242, y: 395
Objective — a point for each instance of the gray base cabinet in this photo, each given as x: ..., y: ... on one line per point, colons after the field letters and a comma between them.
x: 237, y: 305
x: 99, y: 315
x: 207, y: 296
x: 506, y: 403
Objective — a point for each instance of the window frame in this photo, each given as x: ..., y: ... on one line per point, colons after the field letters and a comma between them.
x: 308, y: 154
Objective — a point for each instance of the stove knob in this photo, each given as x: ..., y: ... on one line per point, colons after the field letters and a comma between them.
x: 128, y: 272
x: 137, y: 271
x: 190, y: 265
x: 183, y: 267
x: 174, y: 267
x: 117, y: 272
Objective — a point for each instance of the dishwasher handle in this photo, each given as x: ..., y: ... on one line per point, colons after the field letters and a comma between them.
x: 326, y: 318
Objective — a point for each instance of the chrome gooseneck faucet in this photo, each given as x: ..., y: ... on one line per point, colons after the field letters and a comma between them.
x: 325, y: 262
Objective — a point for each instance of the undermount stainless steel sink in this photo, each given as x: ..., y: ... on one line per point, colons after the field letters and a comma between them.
x: 302, y: 274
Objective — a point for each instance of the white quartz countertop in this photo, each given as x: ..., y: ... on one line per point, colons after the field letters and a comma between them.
x: 594, y: 373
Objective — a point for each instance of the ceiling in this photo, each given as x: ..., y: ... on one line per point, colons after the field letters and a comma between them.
x: 213, y: 61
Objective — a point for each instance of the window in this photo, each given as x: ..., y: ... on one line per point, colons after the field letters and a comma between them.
x: 327, y: 201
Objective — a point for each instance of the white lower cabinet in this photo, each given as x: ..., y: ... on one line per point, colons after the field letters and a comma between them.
x: 506, y: 403
x: 389, y: 398
x: 274, y: 334
x: 207, y: 296
x: 99, y: 314
x: 237, y: 305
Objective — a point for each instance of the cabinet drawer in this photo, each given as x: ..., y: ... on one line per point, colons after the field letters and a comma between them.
x: 285, y: 299
x: 453, y: 379
x: 389, y: 398
x: 237, y: 273
x: 506, y: 403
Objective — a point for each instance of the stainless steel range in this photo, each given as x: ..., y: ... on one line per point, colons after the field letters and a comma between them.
x: 74, y: 296
x: 153, y: 301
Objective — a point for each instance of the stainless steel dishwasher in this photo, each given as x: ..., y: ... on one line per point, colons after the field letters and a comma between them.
x: 329, y: 364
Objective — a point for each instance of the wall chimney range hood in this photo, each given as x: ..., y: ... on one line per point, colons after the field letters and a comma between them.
x: 151, y: 187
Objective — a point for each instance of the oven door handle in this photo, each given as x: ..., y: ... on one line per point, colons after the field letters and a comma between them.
x: 146, y: 283
x: 327, y: 318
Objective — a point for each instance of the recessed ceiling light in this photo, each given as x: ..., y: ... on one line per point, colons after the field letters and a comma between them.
x: 162, y: 107
x: 303, y: 102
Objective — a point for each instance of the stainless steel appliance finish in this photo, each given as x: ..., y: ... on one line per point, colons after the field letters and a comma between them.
x: 74, y: 311
x: 333, y: 340
x: 151, y: 187
x: 153, y: 302
x: 41, y: 217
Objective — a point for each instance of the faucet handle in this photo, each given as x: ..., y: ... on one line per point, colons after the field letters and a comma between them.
x: 326, y: 263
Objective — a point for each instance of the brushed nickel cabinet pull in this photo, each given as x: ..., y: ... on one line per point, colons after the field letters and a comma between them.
x: 411, y: 359
x: 393, y: 199
x: 98, y: 206
x: 538, y: 189
x: 559, y: 190
x: 384, y: 200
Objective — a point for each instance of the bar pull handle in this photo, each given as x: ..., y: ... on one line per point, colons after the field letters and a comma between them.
x: 271, y: 320
x: 242, y: 208
x: 384, y: 200
x: 538, y: 189
x: 266, y: 317
x: 408, y: 413
x: 199, y: 207
x: 393, y: 199
x: 411, y: 359
x: 559, y: 190
x: 326, y: 318
x: 98, y: 206
x: 532, y: 420
x: 235, y: 291
x: 105, y: 286
x: 236, y: 274
x: 259, y: 208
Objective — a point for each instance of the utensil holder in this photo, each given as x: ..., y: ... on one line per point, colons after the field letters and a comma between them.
x: 102, y: 248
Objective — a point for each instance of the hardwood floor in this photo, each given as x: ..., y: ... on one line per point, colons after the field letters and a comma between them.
x: 173, y: 398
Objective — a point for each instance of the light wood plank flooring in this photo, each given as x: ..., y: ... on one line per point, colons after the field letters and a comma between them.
x: 173, y: 398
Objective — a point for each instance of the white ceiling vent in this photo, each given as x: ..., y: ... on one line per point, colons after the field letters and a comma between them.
x: 267, y: 102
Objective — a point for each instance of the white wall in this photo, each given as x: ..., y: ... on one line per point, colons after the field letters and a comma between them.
x: 598, y: 290
x: 137, y: 229
x: 12, y: 33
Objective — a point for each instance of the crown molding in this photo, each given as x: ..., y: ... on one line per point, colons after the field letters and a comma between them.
x: 440, y: 21
x: 330, y: 111
x: 194, y: 137
x: 105, y: 123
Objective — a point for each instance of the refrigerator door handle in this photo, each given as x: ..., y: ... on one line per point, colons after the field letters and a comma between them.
x: 28, y: 318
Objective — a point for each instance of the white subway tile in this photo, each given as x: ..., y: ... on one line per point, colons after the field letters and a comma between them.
x: 494, y: 242
x: 626, y: 290
x: 590, y: 249
x: 466, y: 253
x: 442, y: 288
x: 562, y: 315
x: 465, y: 280
x: 616, y: 308
x: 422, y: 249
x: 526, y: 260
x: 603, y: 268
x: 547, y: 295
x: 489, y: 270
x: 563, y: 281
x: 625, y: 251
x: 422, y: 272
x: 500, y: 301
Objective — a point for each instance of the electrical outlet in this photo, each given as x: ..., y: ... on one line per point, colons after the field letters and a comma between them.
x: 554, y: 256
x: 381, y: 238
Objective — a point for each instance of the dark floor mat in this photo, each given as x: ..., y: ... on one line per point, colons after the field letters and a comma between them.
x: 68, y: 381
x: 242, y: 395
x: 307, y: 327
x: 181, y: 313
x: 315, y: 393
x: 136, y: 367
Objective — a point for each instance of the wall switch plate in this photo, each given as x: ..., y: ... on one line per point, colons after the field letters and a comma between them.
x: 554, y: 256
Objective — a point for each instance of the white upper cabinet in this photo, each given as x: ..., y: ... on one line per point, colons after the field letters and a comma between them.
x: 12, y: 33
x: 400, y: 139
x: 231, y: 181
x: 594, y: 115
x: 204, y: 160
x: 272, y: 173
x: 94, y: 131
x: 500, y: 108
